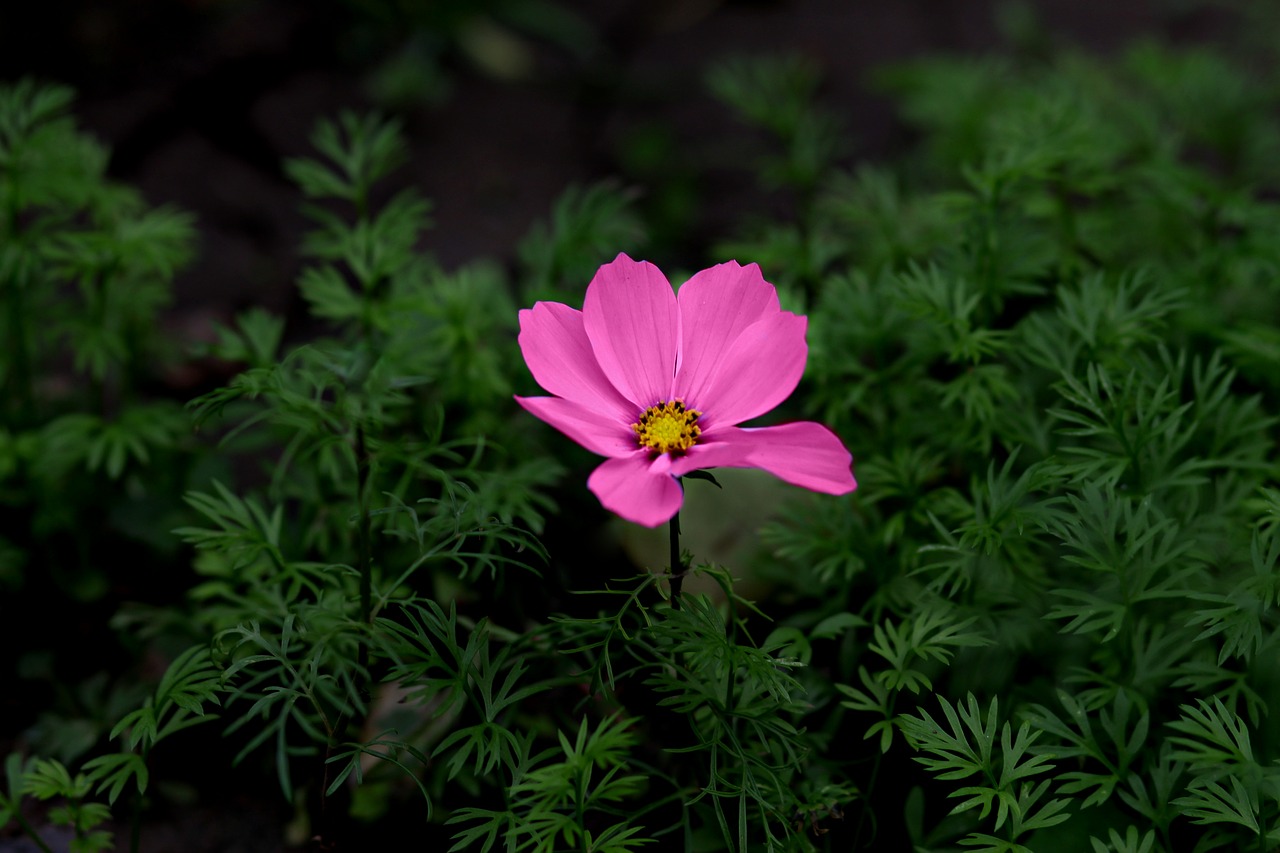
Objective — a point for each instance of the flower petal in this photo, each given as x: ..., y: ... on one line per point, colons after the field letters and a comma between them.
x: 556, y: 348
x: 631, y: 317
x: 803, y: 453
x: 729, y: 453
x: 759, y: 370
x: 716, y: 306
x: 630, y: 487
x: 594, y: 430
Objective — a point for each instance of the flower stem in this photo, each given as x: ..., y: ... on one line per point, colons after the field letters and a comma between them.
x: 20, y: 378
x: 16, y: 815
x: 677, y: 564
x: 364, y: 536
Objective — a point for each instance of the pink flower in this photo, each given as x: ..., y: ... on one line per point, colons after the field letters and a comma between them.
x: 658, y: 382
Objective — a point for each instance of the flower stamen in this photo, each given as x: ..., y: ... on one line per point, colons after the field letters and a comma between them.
x: 668, y: 427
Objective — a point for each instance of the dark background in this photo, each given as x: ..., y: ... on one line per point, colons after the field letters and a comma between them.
x: 199, y: 100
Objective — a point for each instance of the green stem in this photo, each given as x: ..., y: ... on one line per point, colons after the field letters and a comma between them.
x: 581, y: 808
x: 677, y: 563
x: 364, y: 536
x: 135, y: 818
x: 21, y: 378
x: 733, y: 665
x: 808, y: 281
x: 135, y: 825
x: 871, y: 784
x: 26, y: 827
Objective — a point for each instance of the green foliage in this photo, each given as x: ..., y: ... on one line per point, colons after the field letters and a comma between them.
x: 1215, y: 744
x: 587, y: 227
x: 93, y: 263
x: 1047, y: 620
x: 359, y: 422
x: 776, y: 93
x: 1115, y: 746
x: 968, y: 747
x: 446, y: 674
x: 752, y: 773
x: 83, y: 254
x: 549, y: 802
x: 47, y: 779
x: 1031, y: 336
x: 92, y: 458
x: 300, y: 678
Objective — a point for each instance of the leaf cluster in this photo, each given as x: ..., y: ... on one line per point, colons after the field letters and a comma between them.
x: 1030, y: 335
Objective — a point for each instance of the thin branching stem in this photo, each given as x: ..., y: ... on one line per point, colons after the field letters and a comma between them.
x: 580, y: 806
x: 21, y: 375
x: 24, y: 825
x: 20, y: 378
x: 733, y: 640
x: 365, y: 532
x: 677, y: 563
x: 871, y: 782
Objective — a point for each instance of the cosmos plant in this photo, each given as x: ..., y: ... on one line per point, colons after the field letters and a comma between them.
x: 658, y: 382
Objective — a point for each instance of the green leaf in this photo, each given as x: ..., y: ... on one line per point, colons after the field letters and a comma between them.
x: 1131, y: 842
x: 1212, y: 803
x: 703, y: 474
x: 933, y: 633
x: 113, y: 771
x: 835, y: 625
x: 1212, y: 738
x: 361, y: 150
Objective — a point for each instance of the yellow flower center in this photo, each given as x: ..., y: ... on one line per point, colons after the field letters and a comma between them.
x: 668, y: 427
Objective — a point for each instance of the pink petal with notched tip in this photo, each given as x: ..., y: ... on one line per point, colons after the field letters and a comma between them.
x: 595, y: 431
x: 804, y: 454
x: 629, y: 487
x: 716, y: 306
x: 631, y: 318
x: 559, y: 354
x: 758, y: 371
